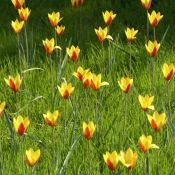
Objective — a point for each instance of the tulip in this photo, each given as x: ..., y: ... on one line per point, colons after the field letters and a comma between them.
x: 54, y: 18
x: 2, y: 108
x: 125, y: 84
x: 96, y: 82
x: 73, y: 53
x: 88, y: 130
x: 60, y: 30
x: 168, y: 71
x: 14, y: 82
x: 108, y: 17
x: 49, y: 46
x: 111, y: 160
x: 145, y: 143
x: 51, y: 118
x: 146, y: 4
x: 157, y: 121
x: 77, y: 3
x: 31, y: 157
x: 87, y: 79
x: 17, y: 26
x: 102, y: 34
x: 80, y: 73
x: 66, y: 90
x: 152, y: 48
x: 130, y: 34
x: 18, y: 3
x: 21, y: 124
x: 129, y: 158
x: 145, y: 102
x: 24, y: 13
x: 154, y: 18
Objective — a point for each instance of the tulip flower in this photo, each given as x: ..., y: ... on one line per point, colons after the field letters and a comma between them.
x: 145, y: 143
x: 24, y: 13
x: 80, y: 73
x: 66, y: 90
x: 49, y: 46
x: 2, y: 108
x: 125, y: 84
x: 130, y: 34
x: 152, y: 48
x: 60, y: 30
x: 154, y: 18
x: 14, y: 82
x: 129, y: 158
x: 73, y: 53
x: 88, y: 130
x: 54, y: 18
x: 102, y: 34
x: 146, y: 4
x: 146, y: 102
x: 21, y: 124
x: 51, y: 118
x: 111, y: 160
x: 87, y: 79
x: 168, y: 71
x: 18, y: 3
x: 31, y: 157
x: 17, y: 26
x: 77, y: 3
x: 96, y: 82
x: 108, y: 17
x: 157, y: 121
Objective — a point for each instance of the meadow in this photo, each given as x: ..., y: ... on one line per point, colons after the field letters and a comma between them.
x: 119, y: 115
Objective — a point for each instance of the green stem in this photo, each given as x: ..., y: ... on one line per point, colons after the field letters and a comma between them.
x: 147, y: 26
x: 154, y: 30
x: 146, y: 164
x: 146, y: 123
x: 157, y: 161
x: 52, y: 82
x: 22, y: 156
x: 153, y: 74
x: 26, y: 40
x: 88, y: 158
x: 130, y: 63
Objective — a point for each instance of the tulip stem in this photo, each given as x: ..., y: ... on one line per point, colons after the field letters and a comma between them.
x: 146, y: 122
x: 153, y: 74
x: 130, y: 64
x: 157, y: 162
x: 26, y: 40
x: 146, y: 164
x: 154, y: 30
x: 52, y: 82
x: 22, y: 157
x: 56, y: 42
x: 19, y: 54
x: 147, y: 26
x: 88, y: 157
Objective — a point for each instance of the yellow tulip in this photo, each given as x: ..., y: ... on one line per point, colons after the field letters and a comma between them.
x: 18, y: 3
x: 88, y: 130
x: 87, y: 79
x: 60, y: 30
x: 21, y: 124
x: 157, y: 121
x: 77, y: 3
x: 108, y: 17
x: 152, y: 48
x: 66, y: 90
x: 96, y: 82
x: 54, y: 18
x: 130, y: 34
x: 80, y: 73
x: 102, y: 34
x: 129, y: 158
x: 2, y: 108
x: 17, y: 26
x: 49, y: 46
x: 31, y: 157
x: 14, y: 82
x: 146, y: 102
x: 154, y: 18
x: 111, y: 160
x: 168, y: 71
x: 146, y: 4
x: 24, y: 13
x: 51, y: 118
x: 125, y: 84
x: 145, y: 143
x: 73, y: 53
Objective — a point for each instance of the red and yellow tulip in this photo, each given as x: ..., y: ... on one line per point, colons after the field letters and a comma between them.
x: 130, y: 34
x: 88, y: 129
x: 152, y: 48
x: 108, y: 17
x: 18, y: 3
x: 154, y: 18
x: 17, y: 25
x: 2, y: 108
x: 24, y: 13
x: 168, y: 71
x: 125, y: 84
x: 146, y: 102
x: 66, y: 90
x: 54, y: 18
x: 79, y: 74
x: 60, y: 30
x: 87, y: 79
x: 146, y: 4
x: 73, y: 53
x: 77, y: 3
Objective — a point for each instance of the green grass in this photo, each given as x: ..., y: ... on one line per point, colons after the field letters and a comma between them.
x: 107, y: 104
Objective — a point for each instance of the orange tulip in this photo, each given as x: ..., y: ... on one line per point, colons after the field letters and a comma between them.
x: 54, y: 18
x: 80, y: 73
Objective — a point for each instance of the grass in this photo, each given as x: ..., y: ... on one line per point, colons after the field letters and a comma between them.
x: 65, y: 144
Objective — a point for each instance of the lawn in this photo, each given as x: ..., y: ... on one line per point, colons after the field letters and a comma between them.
x: 118, y: 117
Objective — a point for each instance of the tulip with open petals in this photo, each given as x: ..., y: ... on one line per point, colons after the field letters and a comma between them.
x: 21, y: 124
x: 17, y: 25
x: 125, y: 84
x: 60, y: 30
x: 14, y: 82
x: 88, y: 129
x: 130, y: 34
x: 129, y: 158
x: 157, y: 121
x: 168, y: 71
x: 79, y: 74
x: 54, y: 18
x: 146, y: 102
x: 51, y: 118
x: 145, y: 143
x: 24, y: 13
x: 146, y: 4
x: 31, y: 157
x: 66, y: 90
x: 18, y: 3
x: 152, y: 48
x: 87, y: 79
x: 77, y: 3
x: 73, y: 53
x: 154, y: 18
x: 108, y: 17
x: 2, y: 108
x: 111, y: 160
